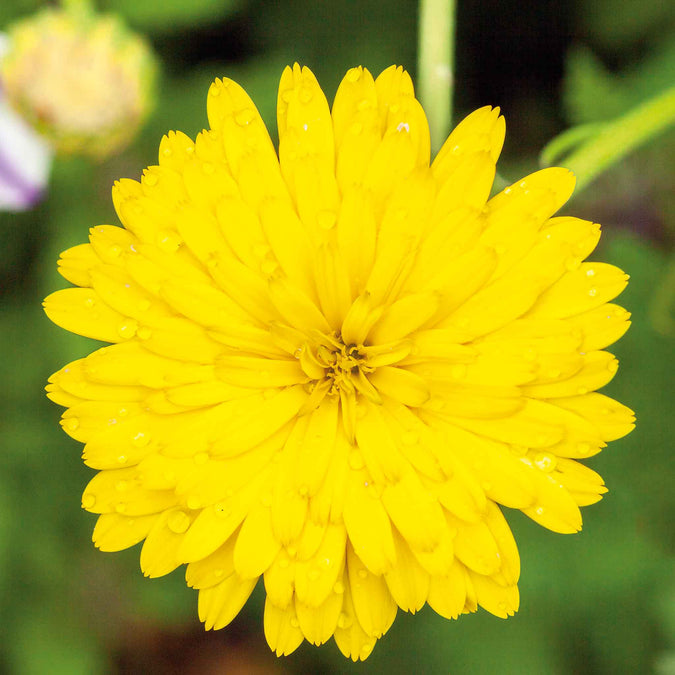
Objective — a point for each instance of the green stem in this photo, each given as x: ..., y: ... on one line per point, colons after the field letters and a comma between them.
x: 435, y: 74
x: 618, y: 138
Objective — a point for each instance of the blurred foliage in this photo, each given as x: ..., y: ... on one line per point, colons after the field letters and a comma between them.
x: 595, y: 603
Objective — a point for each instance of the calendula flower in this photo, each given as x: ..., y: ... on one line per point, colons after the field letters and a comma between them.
x: 332, y: 367
x: 81, y: 80
x: 25, y: 157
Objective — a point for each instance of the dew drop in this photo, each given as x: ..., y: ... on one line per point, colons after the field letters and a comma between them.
x: 268, y: 266
x: 71, y: 424
x: 590, y: 272
x: 572, y: 264
x: 362, y: 573
x: 120, y: 507
x: 292, y: 551
x: 344, y: 621
x: 89, y: 302
x: 284, y: 564
x: 88, y: 500
x: 218, y: 572
x: 150, y: 179
x: 178, y: 522
x: 168, y: 241
x: 313, y: 575
x: 356, y: 128
x: 583, y: 449
x: 167, y: 152
x: 613, y: 366
x: 593, y: 292
x: 144, y: 305
x: 403, y: 126
x: 244, y: 117
x: 539, y: 510
x: 215, y: 89
x: 508, y: 191
x: 122, y: 459
x: 326, y: 219
x: 545, y: 461
x: 394, y: 107
x: 193, y: 503
x: 305, y: 95
x: 140, y: 440
x: 208, y: 168
x: 366, y: 649
x: 338, y: 588
x: 303, y: 490
x: 122, y: 485
x: 355, y: 460
x: 582, y: 390
x: 144, y: 333
x: 353, y: 75
x: 127, y: 330
x: 287, y: 95
x: 295, y: 623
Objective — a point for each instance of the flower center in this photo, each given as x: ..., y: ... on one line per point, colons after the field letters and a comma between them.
x: 336, y: 369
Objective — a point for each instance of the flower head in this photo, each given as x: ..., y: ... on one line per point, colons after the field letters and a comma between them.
x: 83, y: 81
x: 332, y: 367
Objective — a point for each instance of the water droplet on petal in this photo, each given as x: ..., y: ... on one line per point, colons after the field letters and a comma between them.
x: 193, y: 503
x: 140, y: 440
x: 122, y: 485
x: 582, y: 390
x: 178, y: 522
x: 539, y: 510
x: 122, y: 459
x: 339, y: 588
x: 144, y: 333
x: 353, y: 75
x: 150, y: 179
x: 545, y: 461
x: 88, y: 500
x: 127, y: 329
x: 284, y: 564
x: 72, y: 423
x: 219, y: 572
x: 326, y: 219
x: 244, y: 117
x: 294, y: 622
x: 208, y: 168
x: 362, y: 573
x: 593, y: 292
x: 403, y: 126
x: 306, y: 95
x: 356, y: 128
x: 313, y: 575
x: 344, y: 621
x: 355, y: 460
x: 120, y: 507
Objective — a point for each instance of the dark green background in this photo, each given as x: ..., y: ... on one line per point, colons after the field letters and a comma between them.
x: 600, y: 602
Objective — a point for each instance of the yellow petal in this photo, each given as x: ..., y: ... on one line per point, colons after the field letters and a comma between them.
x: 256, y: 545
x: 218, y: 605
x: 374, y: 607
x: 282, y: 629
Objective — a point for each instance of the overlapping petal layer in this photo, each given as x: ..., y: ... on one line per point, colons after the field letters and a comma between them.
x: 331, y: 367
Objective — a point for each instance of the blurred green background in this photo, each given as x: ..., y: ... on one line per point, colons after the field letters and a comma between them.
x: 602, y: 601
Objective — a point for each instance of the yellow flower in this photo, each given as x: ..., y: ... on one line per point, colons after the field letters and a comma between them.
x: 332, y: 367
x: 82, y: 80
